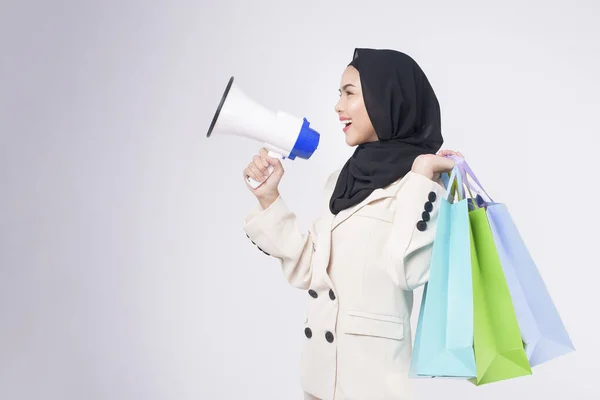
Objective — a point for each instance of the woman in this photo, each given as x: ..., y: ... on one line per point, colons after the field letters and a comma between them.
x: 361, y: 260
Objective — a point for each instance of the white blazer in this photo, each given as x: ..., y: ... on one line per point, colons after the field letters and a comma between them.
x: 358, y: 268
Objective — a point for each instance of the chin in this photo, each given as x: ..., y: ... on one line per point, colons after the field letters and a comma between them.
x: 355, y: 138
x: 352, y: 141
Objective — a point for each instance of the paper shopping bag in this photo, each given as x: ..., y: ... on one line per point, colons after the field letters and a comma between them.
x: 444, y: 337
x: 541, y: 327
x: 499, y: 351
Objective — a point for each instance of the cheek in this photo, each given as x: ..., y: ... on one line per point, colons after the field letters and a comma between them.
x: 360, y: 117
x: 357, y: 111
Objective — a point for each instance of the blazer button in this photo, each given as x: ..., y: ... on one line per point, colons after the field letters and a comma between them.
x: 421, y: 225
x: 329, y: 337
x: 425, y: 216
x: 331, y: 294
x: 432, y: 196
x: 313, y: 294
x: 308, y: 333
x: 428, y: 206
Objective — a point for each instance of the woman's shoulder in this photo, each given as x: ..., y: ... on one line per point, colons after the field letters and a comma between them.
x: 332, y: 179
x: 330, y: 186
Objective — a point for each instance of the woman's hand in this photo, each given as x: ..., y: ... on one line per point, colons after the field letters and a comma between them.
x: 433, y: 165
x: 268, y: 192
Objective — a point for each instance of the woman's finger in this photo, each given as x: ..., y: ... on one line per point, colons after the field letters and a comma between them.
x: 263, y: 153
x: 450, y: 152
x: 249, y: 174
x: 260, y: 163
x: 258, y: 174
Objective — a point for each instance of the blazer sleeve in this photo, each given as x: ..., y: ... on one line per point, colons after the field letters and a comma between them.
x: 410, y: 244
x: 275, y: 232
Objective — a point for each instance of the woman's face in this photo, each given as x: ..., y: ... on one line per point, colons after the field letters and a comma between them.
x: 351, y: 107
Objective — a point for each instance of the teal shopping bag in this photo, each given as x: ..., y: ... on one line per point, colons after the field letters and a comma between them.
x: 443, y: 344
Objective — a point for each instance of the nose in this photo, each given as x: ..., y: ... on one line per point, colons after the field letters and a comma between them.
x: 338, y: 106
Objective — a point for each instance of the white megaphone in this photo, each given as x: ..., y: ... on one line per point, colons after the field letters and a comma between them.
x: 284, y: 136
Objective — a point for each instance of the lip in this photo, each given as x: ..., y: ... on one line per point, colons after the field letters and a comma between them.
x: 347, y: 127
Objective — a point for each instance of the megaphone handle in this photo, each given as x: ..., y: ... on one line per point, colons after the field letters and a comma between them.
x: 253, y: 183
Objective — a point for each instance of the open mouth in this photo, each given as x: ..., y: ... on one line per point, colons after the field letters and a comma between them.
x: 346, y: 124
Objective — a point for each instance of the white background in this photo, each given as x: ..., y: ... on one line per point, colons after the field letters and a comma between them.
x: 124, y: 270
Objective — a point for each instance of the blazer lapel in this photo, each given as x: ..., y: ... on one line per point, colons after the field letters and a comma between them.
x: 376, y: 194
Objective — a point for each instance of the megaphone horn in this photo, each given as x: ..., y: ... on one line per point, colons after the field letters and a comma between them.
x: 284, y: 135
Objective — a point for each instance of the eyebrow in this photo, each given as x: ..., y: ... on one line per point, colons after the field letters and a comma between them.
x: 345, y: 86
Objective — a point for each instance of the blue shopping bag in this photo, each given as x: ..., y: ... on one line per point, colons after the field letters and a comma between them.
x: 443, y: 345
x: 542, y: 330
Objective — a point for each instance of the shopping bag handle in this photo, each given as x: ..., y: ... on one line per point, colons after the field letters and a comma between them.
x: 467, y: 172
x: 455, y: 177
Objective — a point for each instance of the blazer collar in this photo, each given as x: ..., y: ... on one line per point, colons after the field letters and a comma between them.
x: 377, y: 194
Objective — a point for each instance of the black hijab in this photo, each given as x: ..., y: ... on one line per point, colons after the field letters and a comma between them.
x: 405, y: 113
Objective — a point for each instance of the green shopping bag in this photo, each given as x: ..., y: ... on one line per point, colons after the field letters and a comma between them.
x: 499, y: 350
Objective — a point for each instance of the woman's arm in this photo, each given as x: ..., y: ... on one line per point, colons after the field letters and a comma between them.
x: 415, y: 220
x: 275, y: 231
x: 409, y: 246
